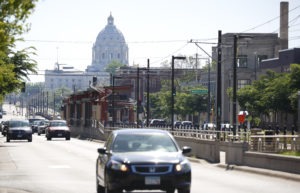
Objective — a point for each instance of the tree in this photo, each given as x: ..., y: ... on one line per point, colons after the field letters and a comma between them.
x: 111, y: 67
x: 13, y: 63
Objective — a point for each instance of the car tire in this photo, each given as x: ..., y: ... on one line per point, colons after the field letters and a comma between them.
x: 49, y: 138
x: 7, y: 139
x: 184, y: 190
x: 68, y: 138
x: 30, y: 139
x: 39, y: 133
x: 107, y: 190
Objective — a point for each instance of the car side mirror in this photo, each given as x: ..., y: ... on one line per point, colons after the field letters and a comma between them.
x: 101, y: 150
x: 186, y: 149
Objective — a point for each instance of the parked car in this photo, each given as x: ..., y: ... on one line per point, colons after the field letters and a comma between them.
x: 158, y: 123
x: 41, y: 128
x: 177, y: 124
x: 187, y: 124
x: 58, y: 129
x: 142, y: 159
x: 209, y: 126
x: 18, y: 130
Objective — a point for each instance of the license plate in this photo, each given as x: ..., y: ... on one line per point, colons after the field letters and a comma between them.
x: 59, y: 135
x: 152, y: 180
x: 19, y: 135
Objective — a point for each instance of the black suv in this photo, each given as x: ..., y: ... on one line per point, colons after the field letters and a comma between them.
x: 18, y: 130
x: 142, y: 159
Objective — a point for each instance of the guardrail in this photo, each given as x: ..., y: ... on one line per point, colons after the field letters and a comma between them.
x: 275, y: 143
x: 257, y: 141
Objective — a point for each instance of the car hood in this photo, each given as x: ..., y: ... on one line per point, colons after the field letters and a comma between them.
x: 20, y: 128
x: 149, y: 157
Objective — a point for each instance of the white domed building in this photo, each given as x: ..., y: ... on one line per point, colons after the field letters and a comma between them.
x: 110, y: 46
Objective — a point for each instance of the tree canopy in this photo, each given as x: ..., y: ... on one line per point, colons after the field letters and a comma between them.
x: 273, y: 92
x: 15, y: 65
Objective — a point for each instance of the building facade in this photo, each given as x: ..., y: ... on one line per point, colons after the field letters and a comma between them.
x: 68, y: 77
x: 252, y: 48
x: 110, y: 46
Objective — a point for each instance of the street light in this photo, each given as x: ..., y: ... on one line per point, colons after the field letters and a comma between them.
x: 173, y: 89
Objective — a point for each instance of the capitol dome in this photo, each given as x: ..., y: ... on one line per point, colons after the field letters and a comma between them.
x: 110, y: 46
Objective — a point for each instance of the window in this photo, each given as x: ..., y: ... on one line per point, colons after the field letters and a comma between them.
x: 242, y: 61
x: 103, y: 55
x: 243, y: 83
x: 259, y: 59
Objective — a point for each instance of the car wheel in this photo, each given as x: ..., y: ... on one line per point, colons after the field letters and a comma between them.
x: 48, y: 138
x: 67, y: 138
x: 7, y: 139
x: 107, y: 190
x: 39, y: 133
x: 30, y: 139
x: 184, y: 190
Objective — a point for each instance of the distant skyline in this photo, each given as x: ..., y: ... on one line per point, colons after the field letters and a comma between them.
x: 64, y: 31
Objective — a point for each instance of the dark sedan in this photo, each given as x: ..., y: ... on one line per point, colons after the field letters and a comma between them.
x: 142, y: 159
x: 18, y: 130
x: 58, y: 129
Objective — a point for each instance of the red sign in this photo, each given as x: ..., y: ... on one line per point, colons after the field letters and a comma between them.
x: 241, y: 118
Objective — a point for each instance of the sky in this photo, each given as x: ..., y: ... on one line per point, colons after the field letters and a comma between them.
x: 64, y: 31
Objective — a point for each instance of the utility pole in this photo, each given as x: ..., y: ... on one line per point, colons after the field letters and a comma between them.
x: 234, y: 84
x: 173, y: 89
x: 219, y: 84
x: 137, y: 96
x: 148, y: 89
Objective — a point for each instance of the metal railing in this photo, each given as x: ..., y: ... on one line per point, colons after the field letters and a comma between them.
x: 257, y: 141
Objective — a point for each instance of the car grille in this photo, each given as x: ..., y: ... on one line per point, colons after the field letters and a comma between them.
x: 16, y: 132
x: 151, y: 169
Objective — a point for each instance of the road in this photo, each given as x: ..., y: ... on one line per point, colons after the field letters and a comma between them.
x: 69, y: 166
x: 61, y: 166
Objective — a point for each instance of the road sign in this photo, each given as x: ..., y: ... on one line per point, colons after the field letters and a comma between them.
x: 200, y: 91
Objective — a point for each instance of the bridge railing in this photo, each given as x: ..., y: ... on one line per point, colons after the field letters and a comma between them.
x: 258, y: 141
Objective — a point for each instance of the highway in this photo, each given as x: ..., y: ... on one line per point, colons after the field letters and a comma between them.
x: 69, y: 166
x: 60, y: 166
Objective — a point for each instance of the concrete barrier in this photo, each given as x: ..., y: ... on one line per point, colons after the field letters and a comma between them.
x: 236, y: 152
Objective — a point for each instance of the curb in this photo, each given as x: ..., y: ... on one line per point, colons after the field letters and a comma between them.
x: 261, y: 171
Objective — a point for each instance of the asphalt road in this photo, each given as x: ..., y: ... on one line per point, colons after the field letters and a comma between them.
x: 60, y: 166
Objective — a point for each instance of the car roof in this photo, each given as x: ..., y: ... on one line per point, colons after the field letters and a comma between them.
x: 139, y: 130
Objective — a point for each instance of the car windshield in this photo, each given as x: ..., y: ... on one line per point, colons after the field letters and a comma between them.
x: 143, y: 143
x: 58, y: 124
x: 18, y: 124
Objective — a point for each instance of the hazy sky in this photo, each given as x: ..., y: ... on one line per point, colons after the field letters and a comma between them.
x: 65, y: 30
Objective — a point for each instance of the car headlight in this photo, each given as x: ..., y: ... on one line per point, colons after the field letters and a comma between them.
x: 183, y: 166
x: 118, y: 166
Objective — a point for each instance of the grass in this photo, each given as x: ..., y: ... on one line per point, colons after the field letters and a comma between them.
x: 291, y: 153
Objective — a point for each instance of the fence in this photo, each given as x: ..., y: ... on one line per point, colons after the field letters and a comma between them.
x: 258, y: 141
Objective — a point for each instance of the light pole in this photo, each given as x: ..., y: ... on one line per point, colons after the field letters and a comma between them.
x: 234, y: 84
x: 298, y: 126
x: 173, y: 89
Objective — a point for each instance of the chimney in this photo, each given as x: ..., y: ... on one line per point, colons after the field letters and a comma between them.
x: 284, y: 25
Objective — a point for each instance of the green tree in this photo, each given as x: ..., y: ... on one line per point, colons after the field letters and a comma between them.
x: 111, y: 67
x: 15, y: 64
